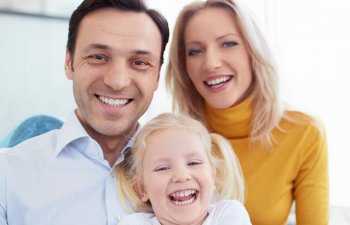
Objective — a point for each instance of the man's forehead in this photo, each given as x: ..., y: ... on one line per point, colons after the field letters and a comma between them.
x: 122, y: 22
x: 111, y: 28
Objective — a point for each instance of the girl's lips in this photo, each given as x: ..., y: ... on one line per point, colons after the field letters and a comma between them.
x: 184, y: 197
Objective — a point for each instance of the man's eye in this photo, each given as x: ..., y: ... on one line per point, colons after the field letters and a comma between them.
x: 97, y: 59
x: 229, y: 44
x: 140, y: 63
x: 193, y: 52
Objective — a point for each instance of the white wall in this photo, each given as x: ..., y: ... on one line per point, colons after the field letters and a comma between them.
x: 32, y: 79
x: 313, y: 39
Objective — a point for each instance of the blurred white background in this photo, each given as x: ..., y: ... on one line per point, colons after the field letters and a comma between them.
x: 312, y: 38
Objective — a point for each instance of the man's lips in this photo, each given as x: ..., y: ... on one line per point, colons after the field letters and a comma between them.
x: 114, y: 102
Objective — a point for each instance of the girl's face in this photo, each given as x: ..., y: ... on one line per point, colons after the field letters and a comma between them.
x: 217, y: 57
x: 178, y: 179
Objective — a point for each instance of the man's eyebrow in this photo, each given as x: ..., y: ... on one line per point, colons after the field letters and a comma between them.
x: 145, y: 53
x: 97, y: 46
x: 142, y: 52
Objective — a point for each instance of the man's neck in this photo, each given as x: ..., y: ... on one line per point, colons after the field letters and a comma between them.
x: 112, y: 147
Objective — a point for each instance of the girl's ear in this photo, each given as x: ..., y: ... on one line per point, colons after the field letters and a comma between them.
x: 141, y: 192
x: 214, y: 172
x: 214, y: 176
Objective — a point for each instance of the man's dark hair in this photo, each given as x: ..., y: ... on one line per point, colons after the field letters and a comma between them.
x: 88, y: 6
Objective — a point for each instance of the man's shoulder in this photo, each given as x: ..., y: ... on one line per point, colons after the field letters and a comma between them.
x: 32, y: 147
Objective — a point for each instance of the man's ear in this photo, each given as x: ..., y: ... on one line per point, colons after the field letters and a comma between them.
x: 68, y: 67
x: 141, y: 192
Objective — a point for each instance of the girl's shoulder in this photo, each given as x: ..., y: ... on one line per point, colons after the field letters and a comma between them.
x: 139, y: 219
x: 227, y: 212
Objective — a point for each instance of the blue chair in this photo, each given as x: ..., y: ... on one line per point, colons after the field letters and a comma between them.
x: 31, y: 127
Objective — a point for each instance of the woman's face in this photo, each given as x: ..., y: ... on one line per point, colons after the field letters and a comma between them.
x: 217, y: 57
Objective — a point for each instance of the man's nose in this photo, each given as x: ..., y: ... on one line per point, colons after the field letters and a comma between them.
x: 117, y: 76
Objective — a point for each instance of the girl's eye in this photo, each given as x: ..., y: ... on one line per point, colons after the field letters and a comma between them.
x: 194, y: 51
x: 229, y: 44
x: 161, y: 168
x: 194, y: 163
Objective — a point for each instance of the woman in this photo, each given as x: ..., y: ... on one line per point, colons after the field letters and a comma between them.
x: 221, y: 71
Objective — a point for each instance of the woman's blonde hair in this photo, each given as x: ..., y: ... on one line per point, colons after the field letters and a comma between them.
x: 266, y: 104
x: 229, y: 179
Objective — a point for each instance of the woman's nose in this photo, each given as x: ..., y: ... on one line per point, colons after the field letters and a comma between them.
x: 212, y: 60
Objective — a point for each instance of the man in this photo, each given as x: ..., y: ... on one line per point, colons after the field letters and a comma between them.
x: 65, y: 177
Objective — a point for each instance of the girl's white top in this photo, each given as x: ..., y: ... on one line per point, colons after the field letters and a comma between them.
x: 224, y: 212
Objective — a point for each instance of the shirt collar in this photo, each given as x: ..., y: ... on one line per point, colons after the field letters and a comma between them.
x: 71, y: 130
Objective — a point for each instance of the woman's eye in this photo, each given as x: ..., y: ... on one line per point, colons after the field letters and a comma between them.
x: 229, y: 44
x: 193, y: 52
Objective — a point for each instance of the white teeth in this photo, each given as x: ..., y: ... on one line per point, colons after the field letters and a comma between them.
x: 218, y: 81
x: 182, y: 193
x: 183, y: 197
x: 113, y: 102
x: 189, y: 201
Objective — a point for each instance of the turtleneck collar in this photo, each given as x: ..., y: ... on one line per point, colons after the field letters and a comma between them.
x: 233, y: 122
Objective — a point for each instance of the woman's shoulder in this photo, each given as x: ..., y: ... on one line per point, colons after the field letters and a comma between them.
x: 299, y: 120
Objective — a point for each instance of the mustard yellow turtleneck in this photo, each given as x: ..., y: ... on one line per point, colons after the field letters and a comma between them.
x: 296, y: 168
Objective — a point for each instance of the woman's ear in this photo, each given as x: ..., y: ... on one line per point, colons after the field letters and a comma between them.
x: 68, y: 67
x: 141, y: 192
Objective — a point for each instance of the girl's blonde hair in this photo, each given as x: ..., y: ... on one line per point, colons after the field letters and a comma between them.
x: 266, y: 104
x: 229, y: 179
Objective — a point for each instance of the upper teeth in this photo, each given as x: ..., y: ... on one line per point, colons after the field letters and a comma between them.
x: 113, y: 102
x: 218, y: 80
x: 183, y: 193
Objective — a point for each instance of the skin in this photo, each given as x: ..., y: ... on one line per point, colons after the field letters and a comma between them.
x: 116, y: 60
x: 175, y: 161
x: 216, y: 53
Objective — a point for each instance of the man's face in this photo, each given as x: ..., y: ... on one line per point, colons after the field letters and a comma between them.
x: 115, y: 70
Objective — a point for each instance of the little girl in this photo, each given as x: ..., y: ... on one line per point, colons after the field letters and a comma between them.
x: 174, y: 171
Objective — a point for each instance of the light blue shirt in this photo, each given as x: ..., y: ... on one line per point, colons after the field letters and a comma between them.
x: 58, y: 178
